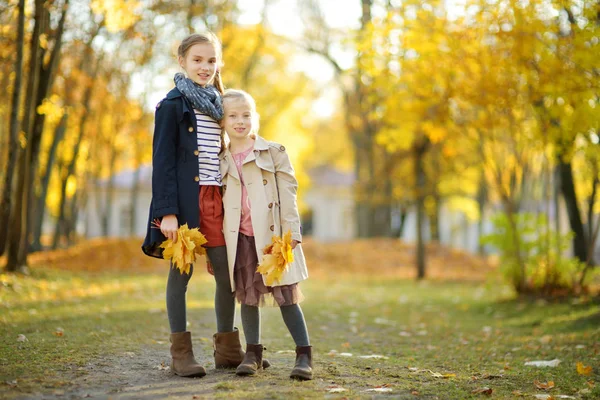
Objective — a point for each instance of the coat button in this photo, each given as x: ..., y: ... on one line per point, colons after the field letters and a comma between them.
x: 190, y: 129
x: 270, y: 205
x: 272, y: 228
x: 282, y: 148
x: 224, y: 187
x: 264, y: 181
x: 196, y: 152
x: 197, y: 179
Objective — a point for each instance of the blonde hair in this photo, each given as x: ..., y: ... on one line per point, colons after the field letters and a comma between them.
x: 237, y: 94
x: 210, y: 38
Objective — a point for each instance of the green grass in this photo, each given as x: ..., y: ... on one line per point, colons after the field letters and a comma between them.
x: 474, y: 334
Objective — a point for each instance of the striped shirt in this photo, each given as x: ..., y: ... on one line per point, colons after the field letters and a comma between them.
x: 208, y: 133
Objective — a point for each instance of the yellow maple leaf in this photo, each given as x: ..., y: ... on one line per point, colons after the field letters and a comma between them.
x: 584, y: 370
x: 276, y: 258
x: 183, y: 252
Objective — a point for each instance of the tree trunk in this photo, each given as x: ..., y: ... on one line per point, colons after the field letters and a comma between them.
x: 568, y: 191
x: 420, y: 200
x: 134, y: 199
x: 109, y: 194
x: 18, y: 216
x: 403, y: 214
x: 40, y: 201
x: 13, y: 148
x: 434, y: 219
x: 47, y: 75
x: 481, y: 201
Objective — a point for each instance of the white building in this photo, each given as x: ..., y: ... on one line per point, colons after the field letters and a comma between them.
x: 330, y: 199
x: 120, y: 214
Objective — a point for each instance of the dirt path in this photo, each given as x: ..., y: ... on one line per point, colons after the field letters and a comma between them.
x: 144, y: 374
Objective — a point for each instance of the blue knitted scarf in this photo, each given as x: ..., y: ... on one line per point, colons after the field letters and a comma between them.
x: 207, y: 99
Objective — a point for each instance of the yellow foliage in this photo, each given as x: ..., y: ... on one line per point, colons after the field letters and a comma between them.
x: 276, y: 258
x: 119, y: 14
x: 183, y: 252
x: 52, y: 108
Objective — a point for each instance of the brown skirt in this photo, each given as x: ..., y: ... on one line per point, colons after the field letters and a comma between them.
x: 249, y: 286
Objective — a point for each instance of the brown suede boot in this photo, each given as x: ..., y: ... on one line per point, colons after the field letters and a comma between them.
x: 183, y: 362
x: 303, y: 368
x: 252, y: 361
x: 228, y: 350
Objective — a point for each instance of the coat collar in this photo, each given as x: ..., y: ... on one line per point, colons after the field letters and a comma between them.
x: 260, y: 144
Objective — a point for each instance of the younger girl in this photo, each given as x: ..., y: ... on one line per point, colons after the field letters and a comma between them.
x: 186, y: 188
x: 259, y: 194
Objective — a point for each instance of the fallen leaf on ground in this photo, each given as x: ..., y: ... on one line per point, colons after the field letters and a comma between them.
x: 591, y: 384
x: 380, y: 390
x: 163, y: 367
x: 59, y: 332
x: 584, y: 370
x: 438, y: 375
x: 517, y: 393
x: 293, y: 352
x: 484, y: 390
x: 551, y: 363
x: 336, y: 390
x: 543, y: 385
x: 375, y: 356
x: 414, y: 393
x: 552, y: 397
x: 22, y: 338
x: 385, y: 388
x: 12, y: 383
x: 489, y: 376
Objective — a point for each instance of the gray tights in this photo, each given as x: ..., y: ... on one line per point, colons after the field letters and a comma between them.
x: 292, y: 316
x: 224, y: 300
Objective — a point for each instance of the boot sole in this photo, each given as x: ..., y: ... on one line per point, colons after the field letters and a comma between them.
x: 246, y: 372
x: 301, y: 376
x: 265, y: 364
x: 192, y: 375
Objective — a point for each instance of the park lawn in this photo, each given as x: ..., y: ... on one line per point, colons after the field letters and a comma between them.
x: 440, y: 339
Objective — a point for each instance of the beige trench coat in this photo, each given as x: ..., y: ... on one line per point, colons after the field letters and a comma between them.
x: 271, y: 186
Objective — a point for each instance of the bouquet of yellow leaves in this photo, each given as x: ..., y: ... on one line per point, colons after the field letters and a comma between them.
x: 183, y: 252
x: 276, y: 258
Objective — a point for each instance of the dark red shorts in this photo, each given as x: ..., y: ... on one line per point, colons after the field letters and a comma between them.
x: 211, y: 215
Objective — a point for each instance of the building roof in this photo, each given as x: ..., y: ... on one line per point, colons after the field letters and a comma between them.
x: 125, y: 179
x: 326, y: 175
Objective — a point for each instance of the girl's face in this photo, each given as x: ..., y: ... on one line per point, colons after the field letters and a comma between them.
x: 200, y: 63
x: 237, y: 121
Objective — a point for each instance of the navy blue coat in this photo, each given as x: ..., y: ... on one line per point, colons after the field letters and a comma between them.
x: 175, y: 172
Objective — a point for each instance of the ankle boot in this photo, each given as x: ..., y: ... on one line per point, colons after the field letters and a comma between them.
x: 252, y: 361
x: 228, y: 350
x: 303, y: 368
x: 183, y: 362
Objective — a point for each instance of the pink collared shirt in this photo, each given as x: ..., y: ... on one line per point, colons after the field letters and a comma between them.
x: 245, y: 219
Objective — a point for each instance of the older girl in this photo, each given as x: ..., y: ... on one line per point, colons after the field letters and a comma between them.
x: 186, y: 188
x: 259, y: 194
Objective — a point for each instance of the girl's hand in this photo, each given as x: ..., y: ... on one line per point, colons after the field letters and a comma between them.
x: 169, y: 226
x: 209, y: 268
x: 294, y: 244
